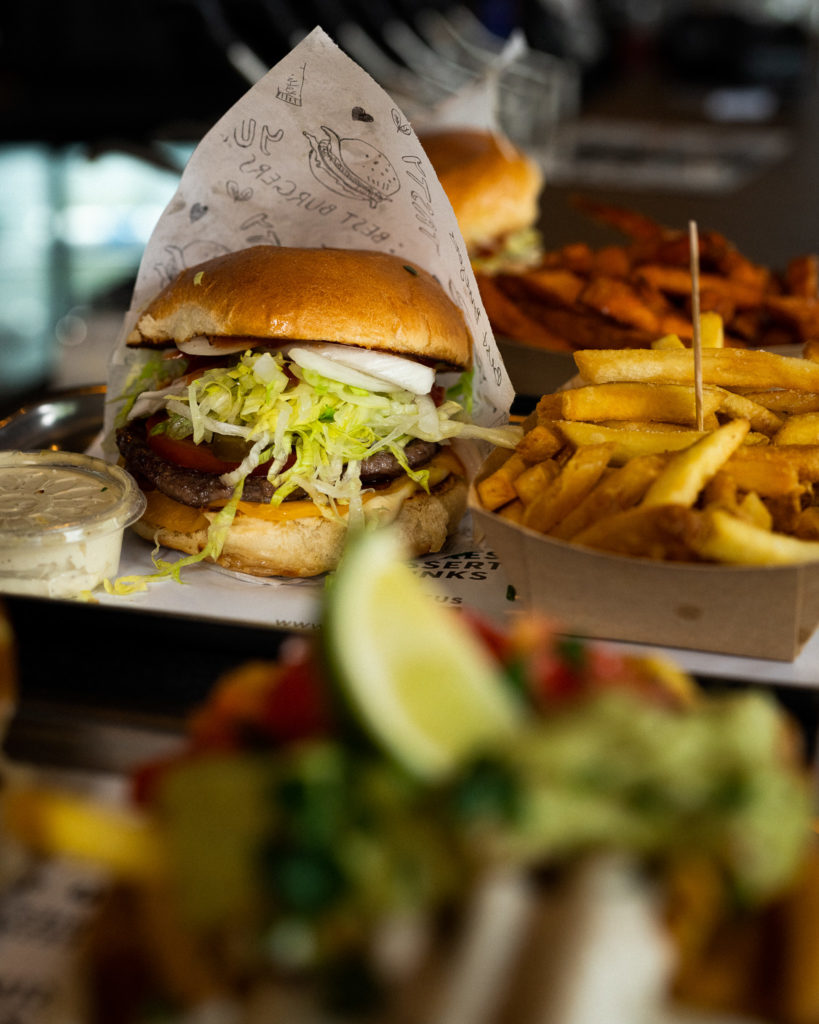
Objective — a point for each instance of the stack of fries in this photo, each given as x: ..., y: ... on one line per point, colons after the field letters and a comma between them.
x: 618, y: 463
x: 624, y: 296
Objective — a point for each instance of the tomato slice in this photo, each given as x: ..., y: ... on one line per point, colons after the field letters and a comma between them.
x: 184, y: 452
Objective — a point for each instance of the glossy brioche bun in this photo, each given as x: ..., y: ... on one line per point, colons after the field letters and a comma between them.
x: 306, y: 545
x: 493, y: 187
x: 266, y: 292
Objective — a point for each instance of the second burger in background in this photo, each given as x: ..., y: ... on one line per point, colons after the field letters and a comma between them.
x: 494, y: 189
x: 287, y: 394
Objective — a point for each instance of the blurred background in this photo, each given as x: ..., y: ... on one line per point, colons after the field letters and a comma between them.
x: 101, y: 104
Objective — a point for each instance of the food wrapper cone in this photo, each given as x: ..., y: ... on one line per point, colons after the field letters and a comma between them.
x: 315, y: 154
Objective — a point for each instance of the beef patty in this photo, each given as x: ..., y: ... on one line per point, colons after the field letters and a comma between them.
x: 198, y: 489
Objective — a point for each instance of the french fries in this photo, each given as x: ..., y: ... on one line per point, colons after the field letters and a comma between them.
x: 628, y: 295
x: 726, y: 367
x: 615, y: 463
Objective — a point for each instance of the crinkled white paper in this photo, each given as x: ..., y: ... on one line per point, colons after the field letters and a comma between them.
x: 317, y: 154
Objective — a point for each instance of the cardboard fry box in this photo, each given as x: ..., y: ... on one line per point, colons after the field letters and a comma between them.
x: 767, y: 612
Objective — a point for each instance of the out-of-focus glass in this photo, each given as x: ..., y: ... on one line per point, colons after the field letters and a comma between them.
x: 73, y: 227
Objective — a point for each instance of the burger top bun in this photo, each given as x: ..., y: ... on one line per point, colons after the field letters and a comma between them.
x: 493, y: 187
x: 370, y: 299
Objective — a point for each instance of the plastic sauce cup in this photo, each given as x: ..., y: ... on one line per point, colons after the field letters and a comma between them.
x: 62, y: 520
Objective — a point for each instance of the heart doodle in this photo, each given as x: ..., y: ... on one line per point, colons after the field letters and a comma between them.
x: 360, y: 114
x: 198, y: 210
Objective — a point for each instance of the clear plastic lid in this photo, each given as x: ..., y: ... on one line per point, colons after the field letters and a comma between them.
x: 49, y: 496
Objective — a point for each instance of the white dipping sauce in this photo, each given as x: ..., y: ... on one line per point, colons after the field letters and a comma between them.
x: 62, y: 518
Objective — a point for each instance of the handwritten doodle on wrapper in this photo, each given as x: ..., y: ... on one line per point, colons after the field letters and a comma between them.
x: 351, y: 167
x: 178, y: 257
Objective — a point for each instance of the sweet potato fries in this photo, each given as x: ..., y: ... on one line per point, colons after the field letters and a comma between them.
x: 626, y: 296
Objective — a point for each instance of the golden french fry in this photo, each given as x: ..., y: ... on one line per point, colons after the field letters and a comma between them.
x: 725, y: 367
x: 805, y: 457
x: 801, y: 428
x: 513, y: 511
x: 577, y: 477
x: 668, y: 341
x: 497, y: 488
x: 785, y: 400
x: 768, y: 471
x: 549, y: 408
x: 669, y: 403
x: 785, y: 510
x: 620, y: 490
x: 721, y: 490
x: 539, y: 443
x: 710, y: 422
x: 712, y: 334
x: 734, y: 541
x: 658, y: 532
x: 688, y: 471
x: 627, y: 442
x: 535, y: 479
x: 807, y: 523
x: 741, y: 407
x: 754, y: 509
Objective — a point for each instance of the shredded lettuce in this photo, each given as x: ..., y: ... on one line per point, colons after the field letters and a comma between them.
x: 155, y: 373
x: 461, y: 390
x: 315, y: 430
x: 217, y: 533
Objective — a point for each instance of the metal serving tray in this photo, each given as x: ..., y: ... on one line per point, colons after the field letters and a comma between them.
x: 62, y: 421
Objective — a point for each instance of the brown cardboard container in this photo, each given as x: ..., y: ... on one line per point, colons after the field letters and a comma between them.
x: 765, y: 612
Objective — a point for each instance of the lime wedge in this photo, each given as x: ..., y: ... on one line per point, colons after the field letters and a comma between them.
x: 415, y: 675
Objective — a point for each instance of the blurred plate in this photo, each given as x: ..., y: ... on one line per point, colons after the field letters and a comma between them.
x: 64, y: 421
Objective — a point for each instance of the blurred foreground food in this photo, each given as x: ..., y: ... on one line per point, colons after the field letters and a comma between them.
x: 620, y: 463
x: 625, y: 296
x: 298, y: 861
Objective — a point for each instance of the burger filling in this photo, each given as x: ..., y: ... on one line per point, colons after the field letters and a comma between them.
x: 513, y: 252
x: 320, y: 421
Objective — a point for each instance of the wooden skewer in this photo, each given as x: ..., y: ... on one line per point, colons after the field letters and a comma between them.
x: 695, y: 317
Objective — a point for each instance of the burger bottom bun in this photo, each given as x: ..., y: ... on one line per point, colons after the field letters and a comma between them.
x: 312, y: 545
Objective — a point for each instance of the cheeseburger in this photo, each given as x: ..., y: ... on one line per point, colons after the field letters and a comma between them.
x: 289, y: 394
x: 494, y: 190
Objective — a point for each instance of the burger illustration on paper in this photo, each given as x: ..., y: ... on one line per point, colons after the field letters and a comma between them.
x: 351, y: 167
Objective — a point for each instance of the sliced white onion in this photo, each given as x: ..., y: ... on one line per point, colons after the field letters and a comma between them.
x: 150, y: 402
x: 363, y: 368
x: 201, y: 345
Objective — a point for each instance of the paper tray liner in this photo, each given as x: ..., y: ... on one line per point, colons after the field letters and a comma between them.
x: 758, y: 612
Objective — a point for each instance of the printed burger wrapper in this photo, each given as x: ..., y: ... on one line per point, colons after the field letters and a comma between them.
x: 315, y: 154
